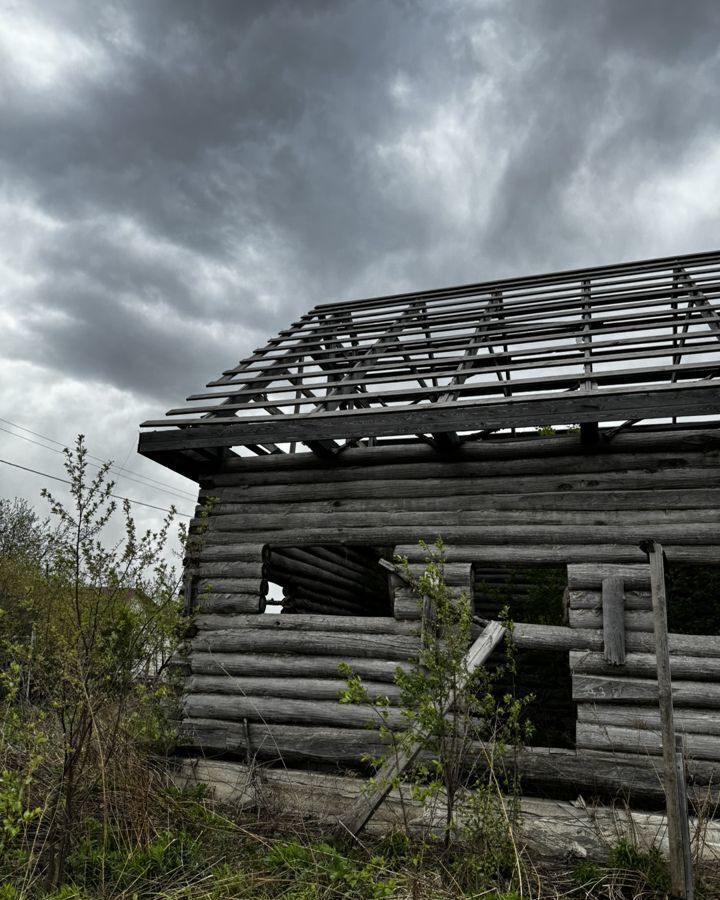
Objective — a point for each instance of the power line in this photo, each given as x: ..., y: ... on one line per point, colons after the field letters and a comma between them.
x: 116, y: 496
x: 177, y: 492
x: 127, y: 477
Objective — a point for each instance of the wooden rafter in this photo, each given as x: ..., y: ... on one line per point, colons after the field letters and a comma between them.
x: 567, y: 347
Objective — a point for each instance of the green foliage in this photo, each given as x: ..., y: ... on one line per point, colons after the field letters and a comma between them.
x: 650, y: 864
x: 87, y: 630
x: 322, y: 871
x: 454, y: 714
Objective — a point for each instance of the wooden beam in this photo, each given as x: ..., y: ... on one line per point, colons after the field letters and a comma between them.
x: 364, y: 807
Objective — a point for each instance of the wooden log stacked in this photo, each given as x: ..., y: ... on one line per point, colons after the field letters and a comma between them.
x: 269, y: 686
x: 521, y: 501
x: 618, y: 703
x: 227, y: 579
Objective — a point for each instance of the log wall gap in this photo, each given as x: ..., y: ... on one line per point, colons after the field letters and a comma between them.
x: 330, y: 579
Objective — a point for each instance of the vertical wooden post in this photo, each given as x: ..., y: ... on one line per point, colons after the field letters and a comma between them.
x: 675, y: 814
x: 613, y: 617
x: 684, y: 821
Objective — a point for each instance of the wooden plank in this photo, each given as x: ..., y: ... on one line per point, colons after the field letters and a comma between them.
x: 687, y: 861
x: 613, y: 619
x: 603, y: 405
x: 665, y: 695
x: 362, y: 810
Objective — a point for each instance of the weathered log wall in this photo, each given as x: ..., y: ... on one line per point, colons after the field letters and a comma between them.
x: 511, y: 502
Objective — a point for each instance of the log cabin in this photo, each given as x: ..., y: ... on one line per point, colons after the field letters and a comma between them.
x: 544, y: 427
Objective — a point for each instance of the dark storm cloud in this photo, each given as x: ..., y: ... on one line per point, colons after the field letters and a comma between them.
x: 212, y: 169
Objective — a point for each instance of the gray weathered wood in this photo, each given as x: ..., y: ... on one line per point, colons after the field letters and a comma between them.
x: 641, y: 741
x: 230, y: 603
x: 612, y: 689
x: 232, y: 586
x: 289, y: 711
x: 697, y: 721
x: 644, y: 665
x: 291, y: 666
x: 321, y: 643
x: 687, y: 861
x: 613, y: 618
x: 281, y: 742
x: 382, y: 625
x: 295, y: 688
x: 665, y: 692
x: 633, y: 619
x: 589, y: 576
x: 585, y: 599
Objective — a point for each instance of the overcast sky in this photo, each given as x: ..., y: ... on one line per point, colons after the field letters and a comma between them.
x: 181, y: 178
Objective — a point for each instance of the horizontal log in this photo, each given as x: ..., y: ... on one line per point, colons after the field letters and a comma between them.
x: 383, y: 625
x: 407, y: 605
x: 280, y: 665
x: 281, y: 743
x: 634, y: 600
x: 557, y: 637
x: 546, y: 554
x: 691, y: 721
x: 661, y: 502
x: 312, y: 643
x: 588, y: 576
x: 327, y: 489
x: 635, y: 778
x: 459, y: 547
x: 607, y: 689
x: 632, y: 740
x: 454, y: 574
x: 644, y: 665
x: 643, y: 510
x: 635, y: 620
x: 232, y: 586
x: 283, y: 710
x: 229, y: 568
x: 458, y: 468
x: 230, y: 603
x: 396, y: 526
x: 526, y: 445
x: 294, y: 688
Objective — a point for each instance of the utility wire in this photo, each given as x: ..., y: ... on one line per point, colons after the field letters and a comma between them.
x: 116, y: 496
x: 177, y: 492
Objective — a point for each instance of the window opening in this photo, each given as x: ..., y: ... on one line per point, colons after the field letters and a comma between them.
x: 331, y: 579
x: 693, y: 598
x: 533, y: 594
